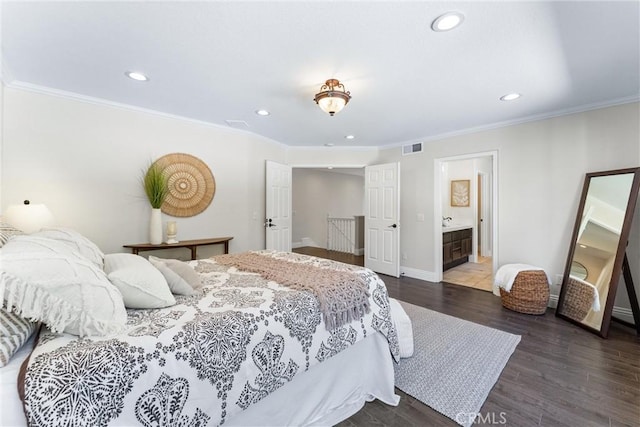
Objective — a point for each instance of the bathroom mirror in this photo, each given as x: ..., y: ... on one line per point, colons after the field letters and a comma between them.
x: 598, y: 245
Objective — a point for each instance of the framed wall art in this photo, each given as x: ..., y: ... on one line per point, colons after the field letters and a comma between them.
x: 460, y: 193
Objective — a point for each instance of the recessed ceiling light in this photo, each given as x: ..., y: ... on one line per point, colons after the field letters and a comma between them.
x: 329, y: 144
x: 583, y: 246
x: 447, y: 21
x: 135, y: 75
x: 329, y: 167
x: 262, y: 112
x: 510, y: 97
x: 349, y: 137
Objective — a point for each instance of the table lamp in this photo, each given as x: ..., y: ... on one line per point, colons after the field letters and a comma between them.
x: 28, y: 217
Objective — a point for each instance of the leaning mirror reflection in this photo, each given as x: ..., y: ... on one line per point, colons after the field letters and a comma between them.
x: 595, y: 248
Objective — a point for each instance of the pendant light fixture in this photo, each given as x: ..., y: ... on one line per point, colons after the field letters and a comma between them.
x: 332, y: 97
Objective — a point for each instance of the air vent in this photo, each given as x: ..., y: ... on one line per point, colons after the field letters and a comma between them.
x: 412, y: 148
x: 238, y: 124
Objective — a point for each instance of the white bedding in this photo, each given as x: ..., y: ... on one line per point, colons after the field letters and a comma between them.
x: 331, y: 394
x: 11, y: 413
x: 221, y: 358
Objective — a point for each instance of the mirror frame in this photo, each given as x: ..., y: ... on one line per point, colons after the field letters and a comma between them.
x: 620, y: 251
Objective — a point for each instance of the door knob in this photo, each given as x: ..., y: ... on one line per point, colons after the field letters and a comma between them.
x: 393, y: 226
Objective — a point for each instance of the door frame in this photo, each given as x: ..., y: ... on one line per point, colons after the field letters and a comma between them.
x: 319, y: 165
x: 483, y: 210
x: 437, y: 204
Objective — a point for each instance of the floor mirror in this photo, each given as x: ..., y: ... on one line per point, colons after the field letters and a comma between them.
x: 597, y: 254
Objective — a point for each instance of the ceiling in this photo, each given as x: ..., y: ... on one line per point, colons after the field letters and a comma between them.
x: 221, y: 61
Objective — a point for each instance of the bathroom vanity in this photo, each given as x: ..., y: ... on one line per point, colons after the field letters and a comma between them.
x: 457, y: 245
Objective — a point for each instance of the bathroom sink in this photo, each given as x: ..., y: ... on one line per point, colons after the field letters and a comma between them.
x: 454, y: 227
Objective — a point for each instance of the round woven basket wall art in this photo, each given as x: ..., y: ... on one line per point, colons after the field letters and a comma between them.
x: 191, y: 184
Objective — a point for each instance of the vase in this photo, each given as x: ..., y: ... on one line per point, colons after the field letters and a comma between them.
x: 155, y: 227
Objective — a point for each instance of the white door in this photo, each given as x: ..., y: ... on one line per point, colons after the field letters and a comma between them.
x: 278, y: 209
x: 381, y: 220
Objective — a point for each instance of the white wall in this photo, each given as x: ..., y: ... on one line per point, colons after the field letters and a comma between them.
x: 541, y: 168
x: 84, y: 161
x: 317, y: 194
x: 454, y: 171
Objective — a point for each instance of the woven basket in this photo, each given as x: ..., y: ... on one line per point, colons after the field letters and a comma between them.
x: 578, y: 299
x: 529, y: 293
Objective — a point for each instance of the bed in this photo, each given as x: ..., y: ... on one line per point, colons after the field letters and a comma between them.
x: 245, y: 350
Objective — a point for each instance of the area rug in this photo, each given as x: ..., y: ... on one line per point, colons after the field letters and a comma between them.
x: 455, y: 363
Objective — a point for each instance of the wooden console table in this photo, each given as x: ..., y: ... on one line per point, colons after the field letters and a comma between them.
x: 191, y: 244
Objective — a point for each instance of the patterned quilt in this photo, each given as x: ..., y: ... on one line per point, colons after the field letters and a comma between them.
x: 199, y: 362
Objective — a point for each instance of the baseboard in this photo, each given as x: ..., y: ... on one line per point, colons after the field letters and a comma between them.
x: 415, y: 273
x: 621, y: 313
x: 359, y: 252
x: 308, y: 241
x: 296, y: 245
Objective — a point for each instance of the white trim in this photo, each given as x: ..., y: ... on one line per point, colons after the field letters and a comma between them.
x: 437, y: 203
x: 103, y: 102
x: 623, y: 313
x: 7, y: 78
x: 335, y: 147
x: 533, y: 118
x: 295, y: 245
x: 326, y: 165
x: 415, y: 273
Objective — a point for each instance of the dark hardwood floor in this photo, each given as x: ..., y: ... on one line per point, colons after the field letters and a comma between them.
x: 559, y: 374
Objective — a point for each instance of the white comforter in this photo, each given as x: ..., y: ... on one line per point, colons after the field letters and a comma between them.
x: 199, y: 362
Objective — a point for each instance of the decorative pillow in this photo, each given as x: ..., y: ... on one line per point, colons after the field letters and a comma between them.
x: 77, y: 241
x: 61, y: 289
x: 6, y: 232
x: 403, y: 326
x: 141, y: 284
x: 181, y: 277
x: 14, y: 332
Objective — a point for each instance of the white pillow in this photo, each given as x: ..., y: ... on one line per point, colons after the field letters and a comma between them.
x: 403, y: 326
x: 181, y: 277
x: 77, y: 241
x: 141, y: 284
x: 62, y: 289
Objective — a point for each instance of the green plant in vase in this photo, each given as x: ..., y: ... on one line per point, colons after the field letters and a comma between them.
x: 156, y: 187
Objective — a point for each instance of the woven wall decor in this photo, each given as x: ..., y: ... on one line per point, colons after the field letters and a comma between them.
x: 191, y: 184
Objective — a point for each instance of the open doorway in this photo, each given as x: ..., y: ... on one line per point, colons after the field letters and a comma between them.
x: 466, y: 201
x: 328, y: 208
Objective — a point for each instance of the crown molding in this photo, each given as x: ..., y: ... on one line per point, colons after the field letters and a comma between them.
x: 333, y: 148
x: 6, y: 76
x: 527, y: 119
x: 7, y: 79
x: 44, y: 90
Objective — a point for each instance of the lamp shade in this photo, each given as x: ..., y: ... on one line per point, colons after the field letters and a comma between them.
x: 331, y: 105
x: 332, y: 97
x: 28, y: 217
